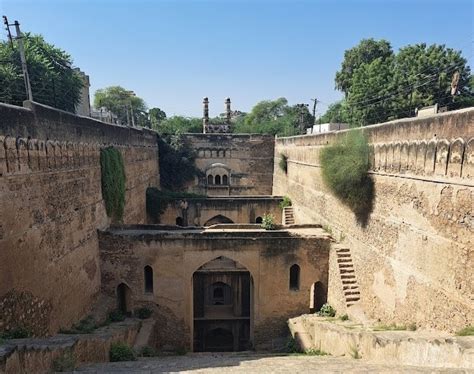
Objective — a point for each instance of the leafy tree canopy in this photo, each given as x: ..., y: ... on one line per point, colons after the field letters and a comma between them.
x: 122, y: 103
x: 274, y: 117
x: 380, y: 85
x: 53, y: 81
x: 364, y: 53
x: 156, y: 117
x: 179, y: 125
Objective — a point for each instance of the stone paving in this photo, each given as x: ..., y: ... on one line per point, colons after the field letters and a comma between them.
x: 253, y: 363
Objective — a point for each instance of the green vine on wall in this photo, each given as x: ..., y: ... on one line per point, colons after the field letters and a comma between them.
x: 113, y: 182
x: 344, y: 167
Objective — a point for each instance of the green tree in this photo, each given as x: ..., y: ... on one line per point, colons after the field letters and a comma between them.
x: 423, y: 75
x: 336, y: 113
x: 274, y: 117
x: 122, y: 103
x: 391, y: 86
x: 368, y: 99
x: 156, y: 117
x: 179, y: 125
x: 364, y: 53
x: 53, y: 81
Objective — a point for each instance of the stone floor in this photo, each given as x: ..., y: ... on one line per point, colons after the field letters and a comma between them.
x: 252, y: 363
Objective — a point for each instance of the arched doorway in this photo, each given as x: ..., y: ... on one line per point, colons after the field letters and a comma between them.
x: 318, y: 297
x: 259, y: 220
x: 179, y: 221
x: 222, y: 306
x: 219, y: 340
x: 124, y: 299
x: 218, y: 219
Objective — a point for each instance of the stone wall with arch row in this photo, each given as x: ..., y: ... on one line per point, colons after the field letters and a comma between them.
x: 214, y: 153
x: 436, y: 157
x: 23, y: 155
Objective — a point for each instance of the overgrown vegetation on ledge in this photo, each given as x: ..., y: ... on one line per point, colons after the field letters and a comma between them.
x: 176, y: 162
x: 157, y: 201
x: 345, y: 164
x: 113, y: 182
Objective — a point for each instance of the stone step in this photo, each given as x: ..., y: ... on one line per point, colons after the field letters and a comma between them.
x: 342, y: 250
x: 346, y: 271
x: 344, y: 259
x: 350, y: 287
x: 345, y: 265
x: 352, y: 298
x: 343, y: 255
x: 351, y: 292
x: 348, y: 276
x: 349, y: 282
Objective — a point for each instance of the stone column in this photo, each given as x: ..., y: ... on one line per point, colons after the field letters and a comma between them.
x: 227, y: 110
x: 205, y: 117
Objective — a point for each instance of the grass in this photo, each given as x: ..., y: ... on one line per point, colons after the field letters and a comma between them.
x: 121, y: 352
x: 147, y: 351
x: 283, y: 163
x: 315, y: 352
x: 16, y: 333
x: 467, y: 331
x: 355, y: 353
x: 395, y: 327
x: 84, y: 326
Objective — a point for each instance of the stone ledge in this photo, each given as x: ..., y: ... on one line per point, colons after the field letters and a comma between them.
x: 417, y: 348
x: 37, y: 355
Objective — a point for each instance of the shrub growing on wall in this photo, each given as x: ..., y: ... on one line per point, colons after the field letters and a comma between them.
x: 283, y: 163
x: 345, y: 164
x: 113, y: 182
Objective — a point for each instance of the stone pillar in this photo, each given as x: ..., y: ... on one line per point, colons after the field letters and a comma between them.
x: 205, y: 117
x: 227, y: 110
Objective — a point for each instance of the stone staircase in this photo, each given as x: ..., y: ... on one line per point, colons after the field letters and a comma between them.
x: 288, y: 216
x: 350, y: 286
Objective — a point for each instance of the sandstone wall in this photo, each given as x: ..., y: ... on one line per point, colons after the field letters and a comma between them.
x: 174, y: 257
x: 247, y: 158
x: 198, y: 211
x: 51, y: 207
x: 414, y: 256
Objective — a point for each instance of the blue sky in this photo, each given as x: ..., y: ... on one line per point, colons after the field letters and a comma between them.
x: 173, y: 53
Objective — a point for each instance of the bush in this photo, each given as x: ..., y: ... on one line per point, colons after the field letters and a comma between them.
x: 116, y: 316
x: 113, y: 182
x: 143, y: 313
x: 344, y: 317
x: 467, y: 331
x: 286, y: 202
x: 121, y: 352
x: 65, y: 362
x: 283, y: 163
x: 268, y: 222
x: 292, y: 346
x: 315, y: 352
x: 16, y: 333
x: 344, y: 167
x: 84, y: 326
x: 327, y: 311
x: 181, y: 351
x: 148, y: 351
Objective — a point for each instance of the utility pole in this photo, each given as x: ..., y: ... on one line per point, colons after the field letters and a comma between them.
x: 316, y: 101
x: 21, y: 49
x: 5, y: 21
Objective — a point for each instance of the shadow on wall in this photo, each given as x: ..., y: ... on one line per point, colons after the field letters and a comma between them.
x: 365, y: 194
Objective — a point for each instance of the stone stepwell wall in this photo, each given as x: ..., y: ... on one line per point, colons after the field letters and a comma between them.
x: 414, y: 256
x: 51, y: 207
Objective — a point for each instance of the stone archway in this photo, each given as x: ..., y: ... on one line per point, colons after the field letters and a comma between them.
x: 124, y: 299
x: 218, y: 219
x: 222, y: 306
